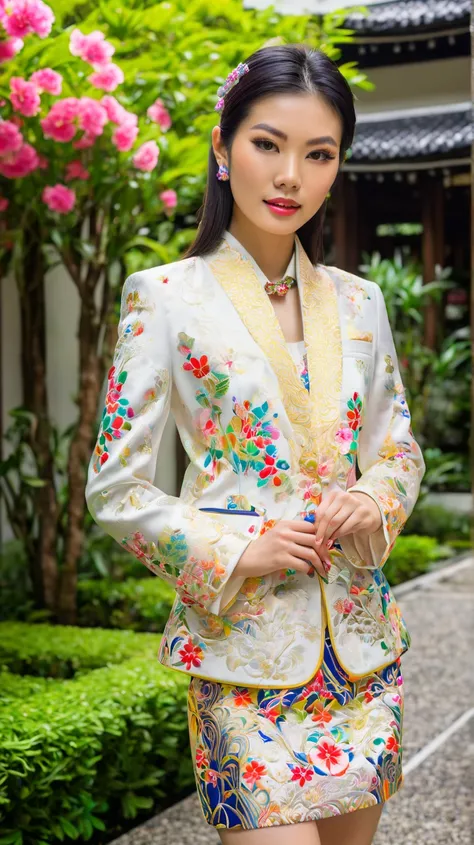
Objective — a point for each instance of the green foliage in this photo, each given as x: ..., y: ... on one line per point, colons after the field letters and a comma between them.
x: 88, y: 754
x: 137, y: 604
x: 181, y: 52
x: 61, y: 651
x: 437, y: 381
x: 413, y: 555
x: 436, y: 521
x: 16, y: 686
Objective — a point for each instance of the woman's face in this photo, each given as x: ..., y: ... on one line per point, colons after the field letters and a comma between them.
x: 287, y: 148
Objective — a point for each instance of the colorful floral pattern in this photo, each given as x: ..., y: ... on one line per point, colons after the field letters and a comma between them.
x: 266, y: 757
x: 247, y: 442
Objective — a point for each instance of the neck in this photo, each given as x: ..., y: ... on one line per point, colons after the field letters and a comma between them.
x: 271, y: 252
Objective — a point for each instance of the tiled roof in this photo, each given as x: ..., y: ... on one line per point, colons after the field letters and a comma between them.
x: 403, y: 16
x: 411, y: 136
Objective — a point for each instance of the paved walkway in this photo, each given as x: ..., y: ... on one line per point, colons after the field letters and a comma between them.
x: 434, y: 805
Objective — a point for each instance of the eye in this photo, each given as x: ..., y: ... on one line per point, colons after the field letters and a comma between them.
x: 260, y: 141
x: 327, y: 156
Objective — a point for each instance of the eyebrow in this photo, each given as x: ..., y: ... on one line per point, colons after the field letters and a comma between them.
x: 324, y: 139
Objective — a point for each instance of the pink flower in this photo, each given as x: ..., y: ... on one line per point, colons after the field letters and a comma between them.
x: 344, y: 438
x: 169, y: 199
x: 92, y: 116
x: 159, y: 114
x: 76, y: 170
x: 10, y: 137
x: 59, y: 124
x: 91, y: 48
x: 43, y: 162
x: 10, y: 48
x: 26, y: 16
x: 4, y: 203
x: 19, y: 163
x: 146, y: 157
x: 85, y: 142
x: 59, y: 198
x: 107, y: 77
x: 125, y: 136
x: 47, y: 80
x: 24, y: 96
x: 115, y: 111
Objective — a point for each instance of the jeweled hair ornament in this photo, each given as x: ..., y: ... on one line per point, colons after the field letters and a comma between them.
x: 232, y: 79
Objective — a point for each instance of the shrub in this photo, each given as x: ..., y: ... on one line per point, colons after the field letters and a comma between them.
x: 137, y: 604
x: 412, y: 556
x: 436, y: 521
x: 58, y: 651
x: 16, y: 686
x: 91, y: 752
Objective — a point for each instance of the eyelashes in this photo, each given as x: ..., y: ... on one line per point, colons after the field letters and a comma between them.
x: 259, y: 142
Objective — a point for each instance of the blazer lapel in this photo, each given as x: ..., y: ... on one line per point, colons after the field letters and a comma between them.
x: 322, y: 332
x: 313, y: 415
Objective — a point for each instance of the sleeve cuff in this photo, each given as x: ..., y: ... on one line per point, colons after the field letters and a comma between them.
x: 367, y: 551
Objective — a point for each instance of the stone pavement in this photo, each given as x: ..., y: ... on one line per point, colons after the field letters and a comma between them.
x: 434, y: 806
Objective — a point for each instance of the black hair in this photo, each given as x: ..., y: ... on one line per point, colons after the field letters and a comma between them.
x: 283, y: 69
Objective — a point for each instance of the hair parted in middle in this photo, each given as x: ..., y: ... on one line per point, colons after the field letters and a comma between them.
x: 281, y: 69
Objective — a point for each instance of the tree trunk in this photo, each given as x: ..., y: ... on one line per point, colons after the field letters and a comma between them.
x: 82, y: 444
x: 43, y: 565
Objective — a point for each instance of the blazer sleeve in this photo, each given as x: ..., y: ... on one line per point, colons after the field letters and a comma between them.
x: 389, y: 458
x: 195, y: 553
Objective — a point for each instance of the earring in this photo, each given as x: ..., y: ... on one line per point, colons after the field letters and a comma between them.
x: 223, y: 173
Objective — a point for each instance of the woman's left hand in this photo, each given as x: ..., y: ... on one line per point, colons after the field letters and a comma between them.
x: 345, y: 513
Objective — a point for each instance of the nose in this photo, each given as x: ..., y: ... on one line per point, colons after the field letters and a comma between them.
x: 288, y: 175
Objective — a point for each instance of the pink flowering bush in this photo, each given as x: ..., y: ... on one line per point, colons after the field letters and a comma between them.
x: 67, y: 134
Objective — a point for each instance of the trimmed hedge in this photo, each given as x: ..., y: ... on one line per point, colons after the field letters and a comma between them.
x: 18, y: 686
x: 88, y: 753
x: 136, y: 604
x: 59, y: 651
x: 412, y: 556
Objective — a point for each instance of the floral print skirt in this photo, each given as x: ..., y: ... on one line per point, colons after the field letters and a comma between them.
x: 267, y: 757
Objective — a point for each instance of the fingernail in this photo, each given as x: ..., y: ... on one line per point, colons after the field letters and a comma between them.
x: 330, y: 544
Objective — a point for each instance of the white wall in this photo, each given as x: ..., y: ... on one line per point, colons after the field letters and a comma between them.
x: 416, y: 85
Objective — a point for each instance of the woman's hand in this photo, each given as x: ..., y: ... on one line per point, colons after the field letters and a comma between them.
x: 345, y: 513
x: 290, y: 544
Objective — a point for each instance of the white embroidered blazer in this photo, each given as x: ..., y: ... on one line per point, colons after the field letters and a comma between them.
x: 200, y: 337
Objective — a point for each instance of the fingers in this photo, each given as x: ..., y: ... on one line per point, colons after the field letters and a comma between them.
x: 351, y: 524
x: 303, y: 566
x: 300, y: 525
x: 306, y: 554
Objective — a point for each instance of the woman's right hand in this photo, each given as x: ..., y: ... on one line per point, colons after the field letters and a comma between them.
x: 290, y: 544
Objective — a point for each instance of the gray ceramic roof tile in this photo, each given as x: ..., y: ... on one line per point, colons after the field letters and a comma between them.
x: 403, y: 15
x: 413, y: 137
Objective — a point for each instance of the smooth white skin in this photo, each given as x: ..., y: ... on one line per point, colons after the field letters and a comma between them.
x: 263, y: 166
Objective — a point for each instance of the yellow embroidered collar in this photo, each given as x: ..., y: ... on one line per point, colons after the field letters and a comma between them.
x: 314, y: 416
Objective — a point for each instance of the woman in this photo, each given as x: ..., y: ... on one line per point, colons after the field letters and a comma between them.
x: 282, y: 377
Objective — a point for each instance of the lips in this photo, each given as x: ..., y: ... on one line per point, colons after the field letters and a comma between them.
x: 281, y: 202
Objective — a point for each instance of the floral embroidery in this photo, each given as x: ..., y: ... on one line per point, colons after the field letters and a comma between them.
x: 191, y: 654
x: 248, y: 440
x: 118, y: 412
x: 115, y: 419
x: 135, y: 302
x: 253, y: 772
x: 300, y: 774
